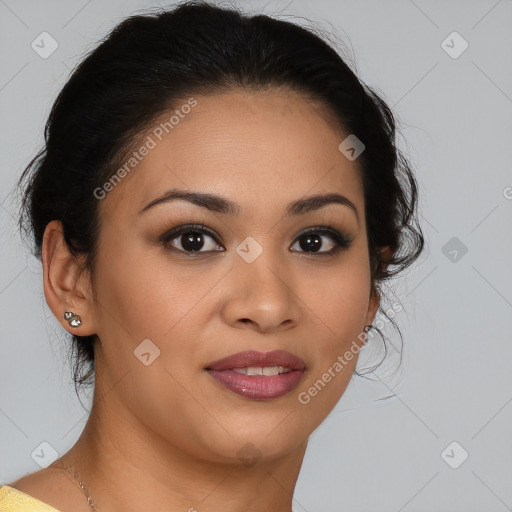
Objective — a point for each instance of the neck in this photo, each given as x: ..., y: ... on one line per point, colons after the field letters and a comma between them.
x: 126, y: 467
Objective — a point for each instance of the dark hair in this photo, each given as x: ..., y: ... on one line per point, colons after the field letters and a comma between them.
x: 139, y: 71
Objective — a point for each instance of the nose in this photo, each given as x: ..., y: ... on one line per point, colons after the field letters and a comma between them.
x: 261, y: 297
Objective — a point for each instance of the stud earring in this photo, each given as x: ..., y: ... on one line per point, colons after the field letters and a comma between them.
x: 73, y: 319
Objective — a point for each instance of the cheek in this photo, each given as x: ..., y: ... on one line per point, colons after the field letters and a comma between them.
x: 338, y: 298
x: 338, y: 301
x: 142, y: 292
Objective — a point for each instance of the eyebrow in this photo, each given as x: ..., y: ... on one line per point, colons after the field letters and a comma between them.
x: 220, y: 204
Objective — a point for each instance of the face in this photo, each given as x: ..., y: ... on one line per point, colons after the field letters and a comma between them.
x: 203, y: 279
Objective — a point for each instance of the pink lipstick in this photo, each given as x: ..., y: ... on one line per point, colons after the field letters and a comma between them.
x: 258, y: 375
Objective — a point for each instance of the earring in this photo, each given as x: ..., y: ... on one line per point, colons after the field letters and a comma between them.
x: 367, y: 328
x: 73, y: 319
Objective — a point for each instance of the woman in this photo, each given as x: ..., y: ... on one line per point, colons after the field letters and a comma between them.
x: 217, y: 203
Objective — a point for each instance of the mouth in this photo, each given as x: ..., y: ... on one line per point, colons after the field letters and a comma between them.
x: 258, y: 375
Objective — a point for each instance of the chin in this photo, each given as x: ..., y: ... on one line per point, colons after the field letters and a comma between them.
x: 248, y: 446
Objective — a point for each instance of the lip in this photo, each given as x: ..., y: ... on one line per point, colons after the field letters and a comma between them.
x: 255, y: 358
x: 258, y: 387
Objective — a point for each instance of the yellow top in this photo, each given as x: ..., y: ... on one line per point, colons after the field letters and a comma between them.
x: 12, y: 500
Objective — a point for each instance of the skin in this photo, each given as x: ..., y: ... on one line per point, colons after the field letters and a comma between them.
x: 166, y: 436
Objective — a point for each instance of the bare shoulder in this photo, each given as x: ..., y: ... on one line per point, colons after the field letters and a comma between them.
x: 43, y: 478
x: 53, y: 487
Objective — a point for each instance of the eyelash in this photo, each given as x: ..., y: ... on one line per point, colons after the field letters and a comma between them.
x: 341, y: 241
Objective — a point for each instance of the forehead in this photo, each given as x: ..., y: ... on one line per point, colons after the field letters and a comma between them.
x: 257, y: 147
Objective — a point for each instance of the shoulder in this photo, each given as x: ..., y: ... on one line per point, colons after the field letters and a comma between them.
x: 37, y: 481
x: 50, y: 487
x: 13, y: 500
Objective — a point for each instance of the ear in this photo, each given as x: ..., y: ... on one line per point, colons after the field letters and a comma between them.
x: 67, y: 284
x: 373, y: 306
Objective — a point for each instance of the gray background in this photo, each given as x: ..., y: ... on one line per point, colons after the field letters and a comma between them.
x: 454, y: 384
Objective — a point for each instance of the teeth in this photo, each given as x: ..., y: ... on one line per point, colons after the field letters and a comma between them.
x: 267, y: 370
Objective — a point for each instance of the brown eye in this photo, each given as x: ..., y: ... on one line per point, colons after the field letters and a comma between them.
x: 191, y: 239
x: 321, y: 240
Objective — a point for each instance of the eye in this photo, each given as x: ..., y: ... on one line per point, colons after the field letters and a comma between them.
x: 322, y: 240
x: 192, y: 238
x: 197, y: 238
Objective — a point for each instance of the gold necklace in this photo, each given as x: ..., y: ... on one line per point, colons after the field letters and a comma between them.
x: 87, y: 495
x: 84, y: 489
